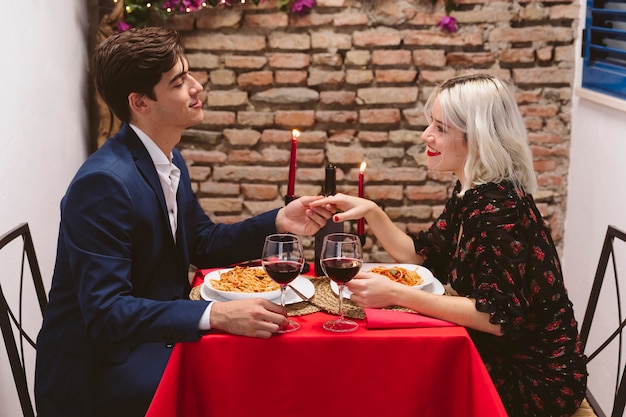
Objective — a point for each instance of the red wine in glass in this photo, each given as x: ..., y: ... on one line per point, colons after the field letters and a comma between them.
x: 341, y: 259
x: 341, y: 269
x: 283, y: 272
x: 282, y: 259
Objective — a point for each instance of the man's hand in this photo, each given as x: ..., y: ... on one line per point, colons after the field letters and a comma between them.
x: 254, y: 317
x: 300, y: 218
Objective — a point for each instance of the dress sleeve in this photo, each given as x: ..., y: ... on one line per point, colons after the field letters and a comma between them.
x: 494, y: 256
x: 437, y: 244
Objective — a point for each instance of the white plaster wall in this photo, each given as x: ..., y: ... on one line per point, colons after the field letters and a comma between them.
x: 44, y: 137
x: 596, y: 198
x: 43, y: 132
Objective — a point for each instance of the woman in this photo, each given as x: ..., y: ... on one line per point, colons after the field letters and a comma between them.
x: 490, y: 246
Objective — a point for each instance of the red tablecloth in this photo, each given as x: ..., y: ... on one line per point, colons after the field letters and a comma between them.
x: 430, y: 372
x: 433, y: 372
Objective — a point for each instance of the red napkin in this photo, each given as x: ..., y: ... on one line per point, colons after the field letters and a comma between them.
x: 198, y: 278
x: 391, y: 319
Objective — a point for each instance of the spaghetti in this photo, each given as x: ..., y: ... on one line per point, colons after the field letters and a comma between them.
x: 244, y: 279
x: 398, y: 274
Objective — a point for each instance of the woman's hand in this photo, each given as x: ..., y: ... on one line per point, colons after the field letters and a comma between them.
x: 370, y: 290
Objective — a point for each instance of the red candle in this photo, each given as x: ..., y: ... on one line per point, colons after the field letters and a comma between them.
x: 361, y: 224
x: 291, y: 184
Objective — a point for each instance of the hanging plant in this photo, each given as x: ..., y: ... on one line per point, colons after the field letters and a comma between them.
x: 139, y: 13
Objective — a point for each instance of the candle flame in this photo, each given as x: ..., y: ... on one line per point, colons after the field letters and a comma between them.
x: 295, y: 133
x: 363, y: 166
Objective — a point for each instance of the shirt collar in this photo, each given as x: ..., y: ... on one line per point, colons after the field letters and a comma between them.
x: 157, y: 155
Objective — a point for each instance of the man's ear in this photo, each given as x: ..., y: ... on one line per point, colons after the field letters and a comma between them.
x: 138, y: 103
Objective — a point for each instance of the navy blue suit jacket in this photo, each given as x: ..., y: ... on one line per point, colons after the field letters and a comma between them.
x: 119, y: 295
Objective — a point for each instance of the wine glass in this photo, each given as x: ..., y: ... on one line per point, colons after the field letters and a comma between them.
x: 341, y: 260
x: 283, y: 259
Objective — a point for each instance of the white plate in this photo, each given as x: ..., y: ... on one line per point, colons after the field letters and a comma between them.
x: 436, y: 287
x: 300, y: 283
x: 429, y: 284
x: 233, y: 295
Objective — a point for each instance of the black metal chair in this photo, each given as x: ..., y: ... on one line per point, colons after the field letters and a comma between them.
x: 616, y: 327
x: 10, y: 321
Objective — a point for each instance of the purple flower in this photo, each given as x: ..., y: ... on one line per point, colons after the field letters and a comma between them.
x: 448, y: 24
x: 187, y: 4
x: 302, y: 6
x: 170, y: 4
x: 123, y: 26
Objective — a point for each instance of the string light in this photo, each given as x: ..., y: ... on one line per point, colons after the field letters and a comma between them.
x: 138, y: 12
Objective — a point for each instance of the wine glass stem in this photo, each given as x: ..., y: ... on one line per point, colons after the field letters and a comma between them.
x: 282, y: 299
x: 340, y: 301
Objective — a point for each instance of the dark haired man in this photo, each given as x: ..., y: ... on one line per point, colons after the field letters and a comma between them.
x: 130, y: 227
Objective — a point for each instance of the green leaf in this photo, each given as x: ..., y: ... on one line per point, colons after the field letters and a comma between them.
x: 283, y: 5
x: 450, y: 6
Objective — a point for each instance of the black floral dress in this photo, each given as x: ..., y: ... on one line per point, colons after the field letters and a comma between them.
x: 507, y: 261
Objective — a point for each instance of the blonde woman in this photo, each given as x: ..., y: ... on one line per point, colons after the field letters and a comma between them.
x: 490, y: 246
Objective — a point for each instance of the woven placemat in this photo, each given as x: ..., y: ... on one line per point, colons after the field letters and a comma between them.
x: 296, y: 309
x: 328, y: 301
x: 324, y: 299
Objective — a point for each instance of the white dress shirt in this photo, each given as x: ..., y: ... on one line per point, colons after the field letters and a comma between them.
x: 169, y: 175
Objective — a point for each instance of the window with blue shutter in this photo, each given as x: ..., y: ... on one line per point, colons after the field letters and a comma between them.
x: 604, y: 48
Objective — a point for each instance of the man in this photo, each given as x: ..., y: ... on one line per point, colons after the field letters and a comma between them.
x: 130, y: 227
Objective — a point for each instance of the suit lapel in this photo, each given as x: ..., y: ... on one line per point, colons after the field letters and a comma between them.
x: 146, y: 167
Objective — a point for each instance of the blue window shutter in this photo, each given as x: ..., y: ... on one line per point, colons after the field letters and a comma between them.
x: 604, y: 47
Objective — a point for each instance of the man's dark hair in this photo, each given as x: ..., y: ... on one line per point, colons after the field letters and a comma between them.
x: 134, y: 61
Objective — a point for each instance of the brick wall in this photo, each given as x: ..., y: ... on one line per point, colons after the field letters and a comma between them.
x: 353, y: 78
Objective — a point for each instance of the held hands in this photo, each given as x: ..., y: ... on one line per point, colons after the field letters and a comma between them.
x: 254, y: 317
x: 346, y: 207
x: 395, y: 241
x: 301, y: 218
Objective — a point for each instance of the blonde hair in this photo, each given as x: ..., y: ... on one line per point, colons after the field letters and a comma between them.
x: 485, y: 110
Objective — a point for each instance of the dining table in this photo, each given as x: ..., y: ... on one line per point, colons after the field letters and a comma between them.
x: 386, y: 367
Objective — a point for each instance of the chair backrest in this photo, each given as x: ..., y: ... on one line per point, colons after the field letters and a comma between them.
x: 10, y: 320
x: 608, y: 331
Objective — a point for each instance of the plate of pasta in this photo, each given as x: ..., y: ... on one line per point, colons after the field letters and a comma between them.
x: 241, y: 283
x: 414, y: 276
